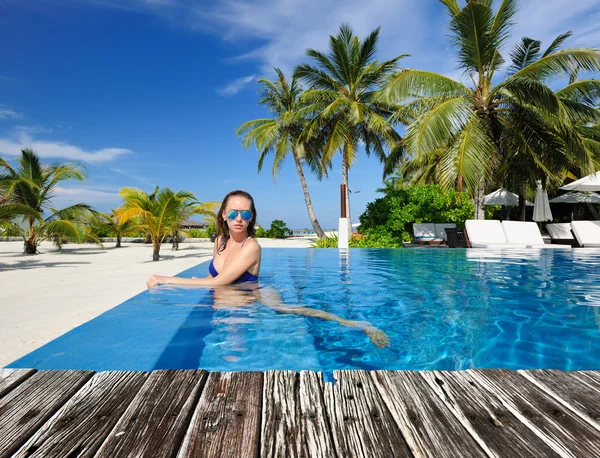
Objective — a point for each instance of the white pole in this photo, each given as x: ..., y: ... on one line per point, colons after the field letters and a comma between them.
x: 343, y: 233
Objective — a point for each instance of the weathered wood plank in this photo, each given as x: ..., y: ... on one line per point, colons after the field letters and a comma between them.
x: 576, y: 390
x: 156, y: 420
x: 495, y: 427
x: 428, y: 425
x: 315, y: 426
x: 27, y: 407
x: 280, y: 430
x: 10, y: 378
x: 565, y: 432
x: 294, y: 423
x: 226, y: 422
x: 82, y: 424
x: 361, y: 424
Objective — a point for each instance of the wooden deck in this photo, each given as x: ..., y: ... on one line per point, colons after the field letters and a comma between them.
x: 473, y: 413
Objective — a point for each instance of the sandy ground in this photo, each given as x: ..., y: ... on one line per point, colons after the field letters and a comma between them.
x: 46, y: 295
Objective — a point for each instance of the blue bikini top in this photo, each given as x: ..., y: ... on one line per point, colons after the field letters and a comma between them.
x: 245, y: 277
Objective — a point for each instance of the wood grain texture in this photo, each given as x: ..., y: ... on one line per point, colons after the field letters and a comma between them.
x: 227, y: 419
x: 562, y: 430
x: 496, y: 429
x: 315, y: 425
x: 10, y: 378
x: 28, y: 406
x: 83, y: 423
x: 280, y: 425
x: 428, y: 425
x: 155, y: 422
x: 361, y: 424
x: 575, y: 390
x: 294, y: 420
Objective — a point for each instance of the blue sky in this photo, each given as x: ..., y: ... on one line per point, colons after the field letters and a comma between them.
x: 150, y: 92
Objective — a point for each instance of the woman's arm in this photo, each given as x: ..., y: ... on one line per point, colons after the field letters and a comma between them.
x: 234, y: 270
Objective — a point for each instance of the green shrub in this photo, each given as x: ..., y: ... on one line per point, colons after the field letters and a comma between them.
x: 210, y: 230
x: 278, y: 230
x: 377, y: 238
x: 326, y: 242
x: 389, y: 219
x: 196, y: 234
x: 260, y: 232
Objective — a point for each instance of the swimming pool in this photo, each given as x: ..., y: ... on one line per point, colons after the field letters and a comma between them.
x: 442, y: 309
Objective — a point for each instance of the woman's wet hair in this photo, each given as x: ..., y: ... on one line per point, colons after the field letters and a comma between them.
x: 223, y: 228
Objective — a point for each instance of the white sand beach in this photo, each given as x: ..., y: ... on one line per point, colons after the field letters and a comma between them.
x: 46, y: 295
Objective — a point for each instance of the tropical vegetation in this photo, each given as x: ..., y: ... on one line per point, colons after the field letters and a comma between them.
x: 280, y: 134
x: 343, y: 106
x: 491, y: 130
x: 27, y: 191
x: 390, y: 218
x: 160, y: 213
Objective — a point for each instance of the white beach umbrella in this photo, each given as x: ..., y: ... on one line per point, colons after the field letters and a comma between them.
x: 541, y: 207
x: 577, y: 198
x: 503, y: 196
x: 589, y: 183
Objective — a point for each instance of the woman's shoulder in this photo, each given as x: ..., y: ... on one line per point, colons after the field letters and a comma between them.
x: 252, y: 242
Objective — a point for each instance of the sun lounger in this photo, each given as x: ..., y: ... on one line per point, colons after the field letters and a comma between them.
x: 425, y: 233
x: 488, y: 234
x: 560, y: 233
x: 527, y: 233
x: 587, y: 233
x: 440, y: 230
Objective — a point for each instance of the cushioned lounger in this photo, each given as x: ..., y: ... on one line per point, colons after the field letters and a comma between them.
x: 587, y: 233
x: 488, y: 234
x: 440, y: 230
x: 561, y: 233
x: 527, y: 233
x: 424, y: 232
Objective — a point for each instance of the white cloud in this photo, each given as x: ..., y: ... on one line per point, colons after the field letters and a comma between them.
x: 86, y: 195
x: 7, y: 113
x: 235, y: 86
x: 48, y: 149
x: 32, y: 130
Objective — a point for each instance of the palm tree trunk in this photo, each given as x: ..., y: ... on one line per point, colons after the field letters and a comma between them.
x: 30, y: 246
x: 118, y: 241
x: 311, y: 212
x: 175, y: 246
x: 345, y: 181
x: 479, y: 201
x: 522, y: 200
x: 156, y: 251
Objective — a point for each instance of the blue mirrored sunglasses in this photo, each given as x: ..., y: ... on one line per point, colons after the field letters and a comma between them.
x: 245, y: 214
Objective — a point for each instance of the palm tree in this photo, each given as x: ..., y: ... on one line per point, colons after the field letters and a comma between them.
x: 342, y: 101
x: 158, y: 212
x: 281, y: 133
x: 474, y: 126
x: 551, y: 150
x: 104, y: 223
x: 186, y: 210
x: 32, y: 186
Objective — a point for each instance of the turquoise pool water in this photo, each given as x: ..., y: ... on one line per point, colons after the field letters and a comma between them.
x: 442, y: 309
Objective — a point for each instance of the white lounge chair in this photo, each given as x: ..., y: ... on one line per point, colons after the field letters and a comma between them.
x: 527, y: 233
x: 560, y: 233
x: 424, y: 232
x: 488, y: 234
x: 587, y: 233
x: 440, y: 230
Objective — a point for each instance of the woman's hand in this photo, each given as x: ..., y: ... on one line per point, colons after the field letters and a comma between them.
x: 153, y: 281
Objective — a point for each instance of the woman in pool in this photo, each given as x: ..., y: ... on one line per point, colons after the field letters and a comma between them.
x: 236, y: 266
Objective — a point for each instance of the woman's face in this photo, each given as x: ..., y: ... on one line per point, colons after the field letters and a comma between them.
x: 237, y: 225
